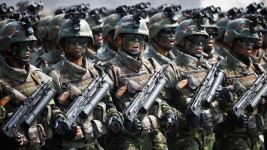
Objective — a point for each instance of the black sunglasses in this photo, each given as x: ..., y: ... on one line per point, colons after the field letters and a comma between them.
x: 247, y: 40
x: 23, y: 45
x: 198, y: 39
x: 168, y: 30
x: 79, y: 40
x: 131, y: 37
x: 97, y: 31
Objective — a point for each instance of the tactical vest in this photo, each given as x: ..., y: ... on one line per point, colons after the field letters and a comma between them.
x: 91, y: 127
x: 39, y: 131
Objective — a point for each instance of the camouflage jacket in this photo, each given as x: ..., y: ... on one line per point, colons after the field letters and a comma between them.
x: 79, y: 76
x: 124, y: 70
x: 49, y: 59
x: 92, y: 54
x: 212, y: 57
x: 161, y: 59
x: 26, y: 81
x: 106, y: 55
x: 36, y: 55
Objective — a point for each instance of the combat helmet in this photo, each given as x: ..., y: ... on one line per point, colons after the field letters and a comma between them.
x: 43, y: 27
x: 239, y: 28
x: 71, y: 28
x: 55, y: 25
x: 189, y: 27
x: 15, y: 31
x: 165, y: 19
x: 131, y: 24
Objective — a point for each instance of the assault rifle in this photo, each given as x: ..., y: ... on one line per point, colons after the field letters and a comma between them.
x: 252, y: 97
x: 27, y: 113
x: 143, y: 100
x: 84, y: 105
x: 205, y: 93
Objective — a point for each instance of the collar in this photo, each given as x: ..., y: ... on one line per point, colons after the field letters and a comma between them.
x: 188, y: 60
x: 74, y: 70
x: 234, y: 62
x: 161, y: 59
x: 128, y: 61
x: 16, y: 74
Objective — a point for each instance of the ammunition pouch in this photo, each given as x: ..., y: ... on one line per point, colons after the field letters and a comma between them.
x: 149, y: 124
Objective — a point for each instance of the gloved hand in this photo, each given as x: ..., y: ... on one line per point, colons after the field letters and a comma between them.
x: 75, y: 133
x: 114, y: 123
x: 226, y: 97
x: 170, y: 121
x: 196, y: 121
x: 60, y: 126
x: 242, y: 121
x: 2, y: 114
x: 20, y: 139
x: 133, y: 127
x: 233, y: 120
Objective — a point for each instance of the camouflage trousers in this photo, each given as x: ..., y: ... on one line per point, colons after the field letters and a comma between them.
x: 236, y: 143
x: 154, y: 141
x: 200, y: 140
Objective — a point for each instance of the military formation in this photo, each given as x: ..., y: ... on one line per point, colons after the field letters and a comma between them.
x: 133, y: 78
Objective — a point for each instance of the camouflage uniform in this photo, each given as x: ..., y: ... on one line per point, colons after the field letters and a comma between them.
x: 80, y: 76
x: 56, y: 55
x: 43, y: 27
x: 241, y: 75
x: 25, y: 81
x: 161, y: 59
x: 95, y: 23
x: 194, y: 70
x: 156, y: 26
x: 122, y: 70
x: 108, y: 27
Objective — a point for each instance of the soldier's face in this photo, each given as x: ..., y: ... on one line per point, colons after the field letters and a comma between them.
x: 98, y: 39
x: 133, y: 43
x: 212, y: 34
x: 166, y: 38
x: 259, y: 42
x: 75, y: 46
x: 22, y: 50
x: 194, y: 44
x: 243, y: 46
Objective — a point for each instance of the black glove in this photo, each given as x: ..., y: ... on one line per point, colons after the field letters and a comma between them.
x: 196, y: 121
x: 170, y: 122
x: 133, y: 127
x: 242, y: 121
x: 114, y: 123
x: 61, y: 126
x: 72, y: 132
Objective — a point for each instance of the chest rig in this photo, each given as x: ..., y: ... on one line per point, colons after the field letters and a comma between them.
x: 132, y: 80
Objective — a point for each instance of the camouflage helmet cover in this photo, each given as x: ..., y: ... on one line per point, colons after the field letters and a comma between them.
x: 188, y: 27
x: 94, y: 23
x: 14, y: 32
x: 126, y: 25
x: 67, y: 30
x: 43, y: 27
x: 207, y: 24
x: 239, y: 28
x: 110, y: 23
x: 222, y: 25
x: 55, y: 25
x: 158, y: 22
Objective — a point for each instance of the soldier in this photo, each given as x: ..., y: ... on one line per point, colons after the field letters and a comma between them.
x: 185, y: 74
x: 46, y: 45
x: 96, y: 24
x: 236, y: 132
x: 221, y: 48
x: 162, y: 29
x: 78, y: 71
x: 110, y: 46
x: 56, y: 55
x: 129, y: 72
x: 209, y: 50
x: 19, y: 74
